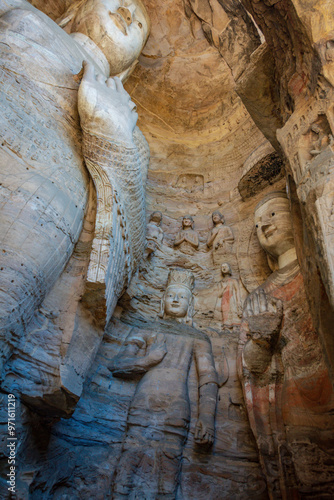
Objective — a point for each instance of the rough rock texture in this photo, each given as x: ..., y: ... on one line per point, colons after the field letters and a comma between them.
x: 211, y: 92
x: 297, y: 96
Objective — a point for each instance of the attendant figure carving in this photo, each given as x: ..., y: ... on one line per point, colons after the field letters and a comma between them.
x: 154, y: 234
x: 187, y: 239
x: 287, y: 389
x: 220, y: 238
x: 230, y: 299
x: 159, y: 414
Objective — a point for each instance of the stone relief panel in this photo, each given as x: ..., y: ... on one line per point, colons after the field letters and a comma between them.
x: 224, y: 300
x: 230, y: 299
x: 307, y: 139
x: 190, y: 183
x: 142, y: 302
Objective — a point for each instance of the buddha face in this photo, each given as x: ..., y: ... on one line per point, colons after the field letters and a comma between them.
x: 217, y: 218
x: 225, y: 269
x: 274, y: 227
x: 187, y: 222
x: 177, y: 301
x: 118, y: 27
x: 156, y: 217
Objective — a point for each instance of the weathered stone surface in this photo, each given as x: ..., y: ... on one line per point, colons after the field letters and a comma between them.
x: 159, y: 406
x: 50, y: 205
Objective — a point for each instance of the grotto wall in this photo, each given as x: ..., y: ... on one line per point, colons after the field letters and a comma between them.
x: 197, y: 363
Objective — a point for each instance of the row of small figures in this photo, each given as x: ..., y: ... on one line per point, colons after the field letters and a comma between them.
x: 220, y: 236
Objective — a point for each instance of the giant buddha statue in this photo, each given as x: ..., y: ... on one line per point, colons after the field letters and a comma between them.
x: 288, y: 394
x: 73, y: 171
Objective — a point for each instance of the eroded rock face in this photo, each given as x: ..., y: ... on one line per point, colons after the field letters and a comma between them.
x: 167, y: 406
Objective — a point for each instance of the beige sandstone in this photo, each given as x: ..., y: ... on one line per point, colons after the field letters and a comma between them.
x: 125, y: 315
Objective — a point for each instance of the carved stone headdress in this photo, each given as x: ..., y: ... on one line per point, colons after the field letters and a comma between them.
x: 181, y: 277
x: 184, y: 279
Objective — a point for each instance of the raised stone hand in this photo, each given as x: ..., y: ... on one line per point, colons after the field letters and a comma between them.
x: 263, y: 315
x: 105, y: 108
x: 205, y: 430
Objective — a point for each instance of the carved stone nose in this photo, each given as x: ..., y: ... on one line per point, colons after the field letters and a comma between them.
x: 265, y: 226
x: 126, y: 15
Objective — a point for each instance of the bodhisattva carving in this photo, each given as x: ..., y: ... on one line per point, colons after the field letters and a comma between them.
x: 51, y: 209
x: 230, y: 299
x: 159, y: 414
x: 154, y: 233
x: 220, y: 238
x: 287, y: 389
x: 320, y: 140
x: 187, y: 239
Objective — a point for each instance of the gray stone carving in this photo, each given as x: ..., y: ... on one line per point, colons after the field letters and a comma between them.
x: 221, y: 236
x: 220, y: 240
x: 159, y: 414
x: 154, y: 234
x: 71, y: 240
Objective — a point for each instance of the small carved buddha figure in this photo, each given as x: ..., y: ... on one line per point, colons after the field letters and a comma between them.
x: 286, y: 384
x: 230, y: 299
x: 187, y: 239
x: 322, y: 140
x: 159, y: 414
x: 221, y: 236
x: 154, y: 234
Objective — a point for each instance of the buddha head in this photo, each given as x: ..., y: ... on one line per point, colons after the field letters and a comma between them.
x: 217, y: 218
x: 187, y: 222
x: 177, y: 301
x: 273, y: 225
x: 156, y: 217
x: 118, y: 27
x: 226, y: 269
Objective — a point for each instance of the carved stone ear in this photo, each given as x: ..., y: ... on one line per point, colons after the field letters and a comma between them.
x: 161, y: 313
x: 272, y: 263
x: 190, y: 311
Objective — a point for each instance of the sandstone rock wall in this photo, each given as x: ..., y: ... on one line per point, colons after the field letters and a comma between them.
x: 210, y: 95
